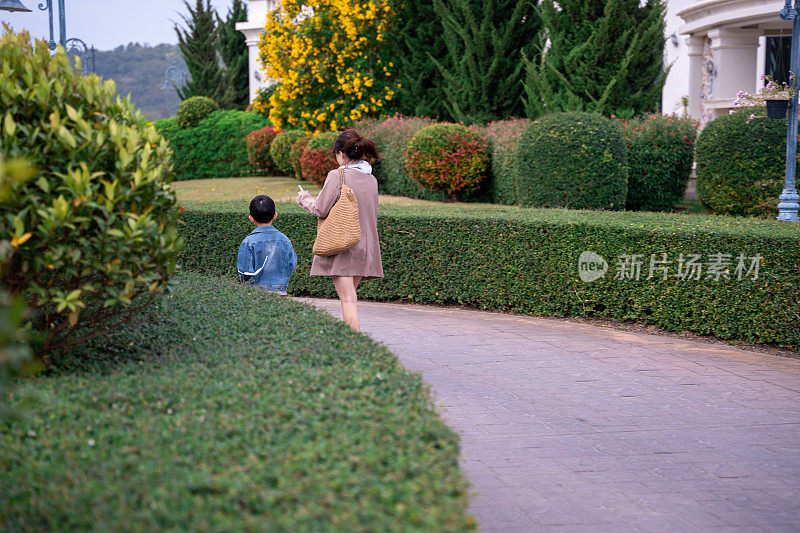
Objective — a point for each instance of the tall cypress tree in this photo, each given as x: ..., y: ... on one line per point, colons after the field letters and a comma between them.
x: 418, y: 35
x: 198, y: 45
x: 605, y: 56
x: 485, y: 41
x: 233, y: 49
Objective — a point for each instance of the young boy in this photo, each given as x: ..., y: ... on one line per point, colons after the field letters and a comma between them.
x: 266, y: 256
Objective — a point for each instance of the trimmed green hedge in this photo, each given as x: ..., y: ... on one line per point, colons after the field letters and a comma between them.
x: 576, y: 160
x: 225, y: 408
x: 741, y: 163
x: 525, y: 260
x: 503, y: 138
x: 215, y: 148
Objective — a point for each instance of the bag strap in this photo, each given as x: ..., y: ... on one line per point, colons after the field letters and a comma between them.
x: 342, y: 184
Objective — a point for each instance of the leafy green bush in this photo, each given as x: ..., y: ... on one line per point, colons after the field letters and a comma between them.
x: 526, y: 261
x: 194, y: 109
x: 216, y: 148
x: 447, y: 157
x: 95, y: 226
x: 229, y: 409
x: 259, y: 144
x: 741, y: 164
x: 317, y: 160
x: 503, y: 139
x: 391, y: 137
x: 576, y: 160
x: 15, y: 353
x: 280, y: 150
x: 295, y: 153
x: 660, y: 157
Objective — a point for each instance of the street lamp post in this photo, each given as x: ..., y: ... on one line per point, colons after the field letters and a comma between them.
x: 174, y: 77
x: 62, y: 24
x: 788, y: 200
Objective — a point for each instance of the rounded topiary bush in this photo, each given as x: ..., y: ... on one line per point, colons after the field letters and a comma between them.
x: 447, y: 157
x: 741, y: 165
x: 280, y: 151
x: 296, y: 153
x: 259, y: 143
x: 575, y: 160
x: 317, y: 159
x: 94, y: 229
x: 194, y: 109
x: 660, y: 157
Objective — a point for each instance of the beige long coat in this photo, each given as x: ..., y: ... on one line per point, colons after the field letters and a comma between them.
x: 365, y: 258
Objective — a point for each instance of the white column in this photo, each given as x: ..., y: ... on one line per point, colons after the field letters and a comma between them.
x: 761, y: 62
x: 736, y: 61
x: 695, y: 44
x: 256, y: 19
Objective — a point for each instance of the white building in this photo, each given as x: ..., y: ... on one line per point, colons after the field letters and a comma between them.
x: 716, y: 48
x: 720, y: 47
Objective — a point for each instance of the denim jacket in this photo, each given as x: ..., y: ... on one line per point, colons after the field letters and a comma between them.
x: 266, y: 258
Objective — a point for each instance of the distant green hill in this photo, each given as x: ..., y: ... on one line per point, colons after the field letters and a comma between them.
x: 139, y: 70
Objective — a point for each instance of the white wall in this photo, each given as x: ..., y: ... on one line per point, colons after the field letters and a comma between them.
x: 677, y: 84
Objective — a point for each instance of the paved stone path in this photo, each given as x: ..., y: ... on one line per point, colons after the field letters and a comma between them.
x: 570, y: 427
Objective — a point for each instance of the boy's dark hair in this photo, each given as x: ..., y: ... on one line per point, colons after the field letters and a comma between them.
x: 262, y: 209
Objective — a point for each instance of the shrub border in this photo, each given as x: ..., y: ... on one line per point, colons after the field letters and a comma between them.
x: 525, y: 261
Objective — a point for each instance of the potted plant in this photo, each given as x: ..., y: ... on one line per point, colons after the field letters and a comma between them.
x: 774, y: 95
x: 777, y: 96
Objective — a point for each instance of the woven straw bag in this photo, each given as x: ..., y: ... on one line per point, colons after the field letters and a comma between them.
x: 340, y: 230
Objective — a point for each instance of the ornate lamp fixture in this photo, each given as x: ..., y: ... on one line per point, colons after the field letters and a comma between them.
x: 13, y: 5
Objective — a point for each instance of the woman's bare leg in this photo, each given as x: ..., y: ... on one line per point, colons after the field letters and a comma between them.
x: 346, y: 288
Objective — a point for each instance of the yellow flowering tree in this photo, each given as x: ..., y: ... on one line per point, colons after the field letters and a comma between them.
x: 331, y: 60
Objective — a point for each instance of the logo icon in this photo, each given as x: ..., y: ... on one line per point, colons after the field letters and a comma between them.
x: 591, y: 266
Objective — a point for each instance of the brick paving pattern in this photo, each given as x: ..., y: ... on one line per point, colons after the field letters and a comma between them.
x: 571, y: 427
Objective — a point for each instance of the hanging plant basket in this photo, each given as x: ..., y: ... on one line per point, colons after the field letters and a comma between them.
x: 777, y: 108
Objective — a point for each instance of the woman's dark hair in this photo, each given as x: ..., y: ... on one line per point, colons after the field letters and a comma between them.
x: 355, y: 147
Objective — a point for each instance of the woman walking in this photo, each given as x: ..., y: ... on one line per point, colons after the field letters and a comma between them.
x: 354, y: 154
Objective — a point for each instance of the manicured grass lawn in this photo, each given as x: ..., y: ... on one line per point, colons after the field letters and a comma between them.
x: 224, y: 408
x: 239, y: 191
x: 280, y: 189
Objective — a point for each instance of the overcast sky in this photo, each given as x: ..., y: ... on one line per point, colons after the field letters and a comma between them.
x: 107, y: 24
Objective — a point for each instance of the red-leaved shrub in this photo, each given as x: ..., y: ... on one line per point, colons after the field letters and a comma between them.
x: 258, y: 145
x: 448, y: 157
x: 317, y: 160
